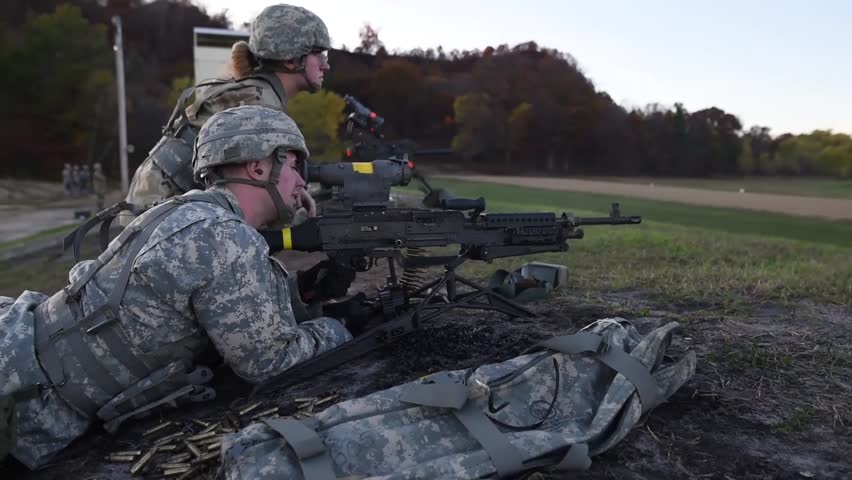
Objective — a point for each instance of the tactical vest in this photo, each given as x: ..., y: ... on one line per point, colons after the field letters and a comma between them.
x: 85, y: 356
x: 173, y: 153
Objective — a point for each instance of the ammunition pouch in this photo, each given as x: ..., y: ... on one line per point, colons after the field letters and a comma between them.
x: 173, y: 156
x: 533, y: 281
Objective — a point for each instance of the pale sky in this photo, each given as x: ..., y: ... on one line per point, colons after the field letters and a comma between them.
x: 785, y: 64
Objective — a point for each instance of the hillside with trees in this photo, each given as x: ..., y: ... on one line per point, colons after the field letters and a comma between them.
x: 513, y: 109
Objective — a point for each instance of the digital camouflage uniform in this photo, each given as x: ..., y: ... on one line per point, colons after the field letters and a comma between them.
x: 203, y: 277
x: 280, y: 32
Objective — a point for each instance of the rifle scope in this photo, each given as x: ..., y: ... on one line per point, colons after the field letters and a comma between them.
x: 391, y: 173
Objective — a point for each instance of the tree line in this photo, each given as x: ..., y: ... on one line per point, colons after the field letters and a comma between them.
x: 513, y: 109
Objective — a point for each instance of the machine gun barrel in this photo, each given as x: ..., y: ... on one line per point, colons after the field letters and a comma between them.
x: 631, y: 220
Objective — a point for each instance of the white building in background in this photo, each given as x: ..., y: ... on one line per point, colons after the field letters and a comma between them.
x: 212, y: 50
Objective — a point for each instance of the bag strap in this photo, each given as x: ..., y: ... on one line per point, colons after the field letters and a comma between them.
x: 273, y: 82
x: 445, y: 393
x: 615, y: 358
x: 308, y: 446
x: 180, y: 106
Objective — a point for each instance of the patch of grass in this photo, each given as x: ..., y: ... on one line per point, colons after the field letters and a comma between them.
x: 44, y: 272
x: 745, y: 356
x: 55, y: 231
x: 809, y: 187
x: 727, y: 259
x: 798, y: 421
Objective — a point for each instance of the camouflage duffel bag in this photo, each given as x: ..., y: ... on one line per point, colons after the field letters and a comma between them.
x: 573, y: 397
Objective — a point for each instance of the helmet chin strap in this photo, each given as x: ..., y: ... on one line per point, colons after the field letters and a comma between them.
x: 285, y: 214
x: 310, y: 86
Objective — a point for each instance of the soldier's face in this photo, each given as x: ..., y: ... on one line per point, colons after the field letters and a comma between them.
x: 316, y: 64
x: 291, y: 182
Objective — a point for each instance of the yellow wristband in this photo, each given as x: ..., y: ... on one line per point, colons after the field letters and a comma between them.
x: 287, y: 239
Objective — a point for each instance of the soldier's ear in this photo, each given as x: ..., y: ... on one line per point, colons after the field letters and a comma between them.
x: 256, y: 170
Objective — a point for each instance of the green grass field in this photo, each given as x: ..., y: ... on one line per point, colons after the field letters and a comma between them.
x: 808, y: 187
x: 689, y: 254
x: 681, y: 254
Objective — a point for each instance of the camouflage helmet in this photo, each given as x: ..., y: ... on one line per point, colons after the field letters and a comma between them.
x: 285, y: 32
x: 243, y: 134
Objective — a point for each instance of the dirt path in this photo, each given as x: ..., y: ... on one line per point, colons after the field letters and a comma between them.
x: 833, y: 209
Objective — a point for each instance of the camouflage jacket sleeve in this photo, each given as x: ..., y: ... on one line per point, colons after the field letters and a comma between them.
x: 246, y: 309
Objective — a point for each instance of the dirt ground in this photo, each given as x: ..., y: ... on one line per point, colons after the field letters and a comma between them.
x: 835, y: 209
x: 771, y: 397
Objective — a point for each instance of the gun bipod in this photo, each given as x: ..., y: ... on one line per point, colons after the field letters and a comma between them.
x: 471, y: 300
x: 393, y: 329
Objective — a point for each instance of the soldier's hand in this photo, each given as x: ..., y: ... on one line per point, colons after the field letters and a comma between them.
x: 327, y: 279
x: 307, y: 202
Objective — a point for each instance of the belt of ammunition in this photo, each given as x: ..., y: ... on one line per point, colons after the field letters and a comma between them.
x: 233, y: 420
x: 200, y: 423
x: 180, y: 457
x: 120, y: 458
x: 168, y: 438
x: 194, y: 449
x: 326, y: 399
x: 201, y: 436
x: 208, y: 441
x: 249, y: 408
x: 138, y: 466
x: 188, y: 474
x: 156, y: 429
x: 265, y: 413
x: 208, y: 456
x: 128, y: 452
x: 175, y: 471
x: 211, y: 427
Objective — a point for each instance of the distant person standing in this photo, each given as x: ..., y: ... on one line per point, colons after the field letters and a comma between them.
x: 85, y: 180
x: 75, y: 181
x: 99, y: 185
x: 286, y: 54
x: 66, y: 179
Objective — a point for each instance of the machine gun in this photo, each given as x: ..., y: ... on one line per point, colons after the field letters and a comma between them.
x: 358, y: 239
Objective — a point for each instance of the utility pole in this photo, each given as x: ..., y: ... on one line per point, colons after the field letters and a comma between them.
x: 118, y: 47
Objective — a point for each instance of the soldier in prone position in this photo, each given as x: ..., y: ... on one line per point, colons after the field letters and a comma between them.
x: 285, y: 55
x: 196, y: 275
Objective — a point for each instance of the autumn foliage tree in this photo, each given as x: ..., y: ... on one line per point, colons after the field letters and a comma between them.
x: 319, y: 116
x: 513, y: 109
